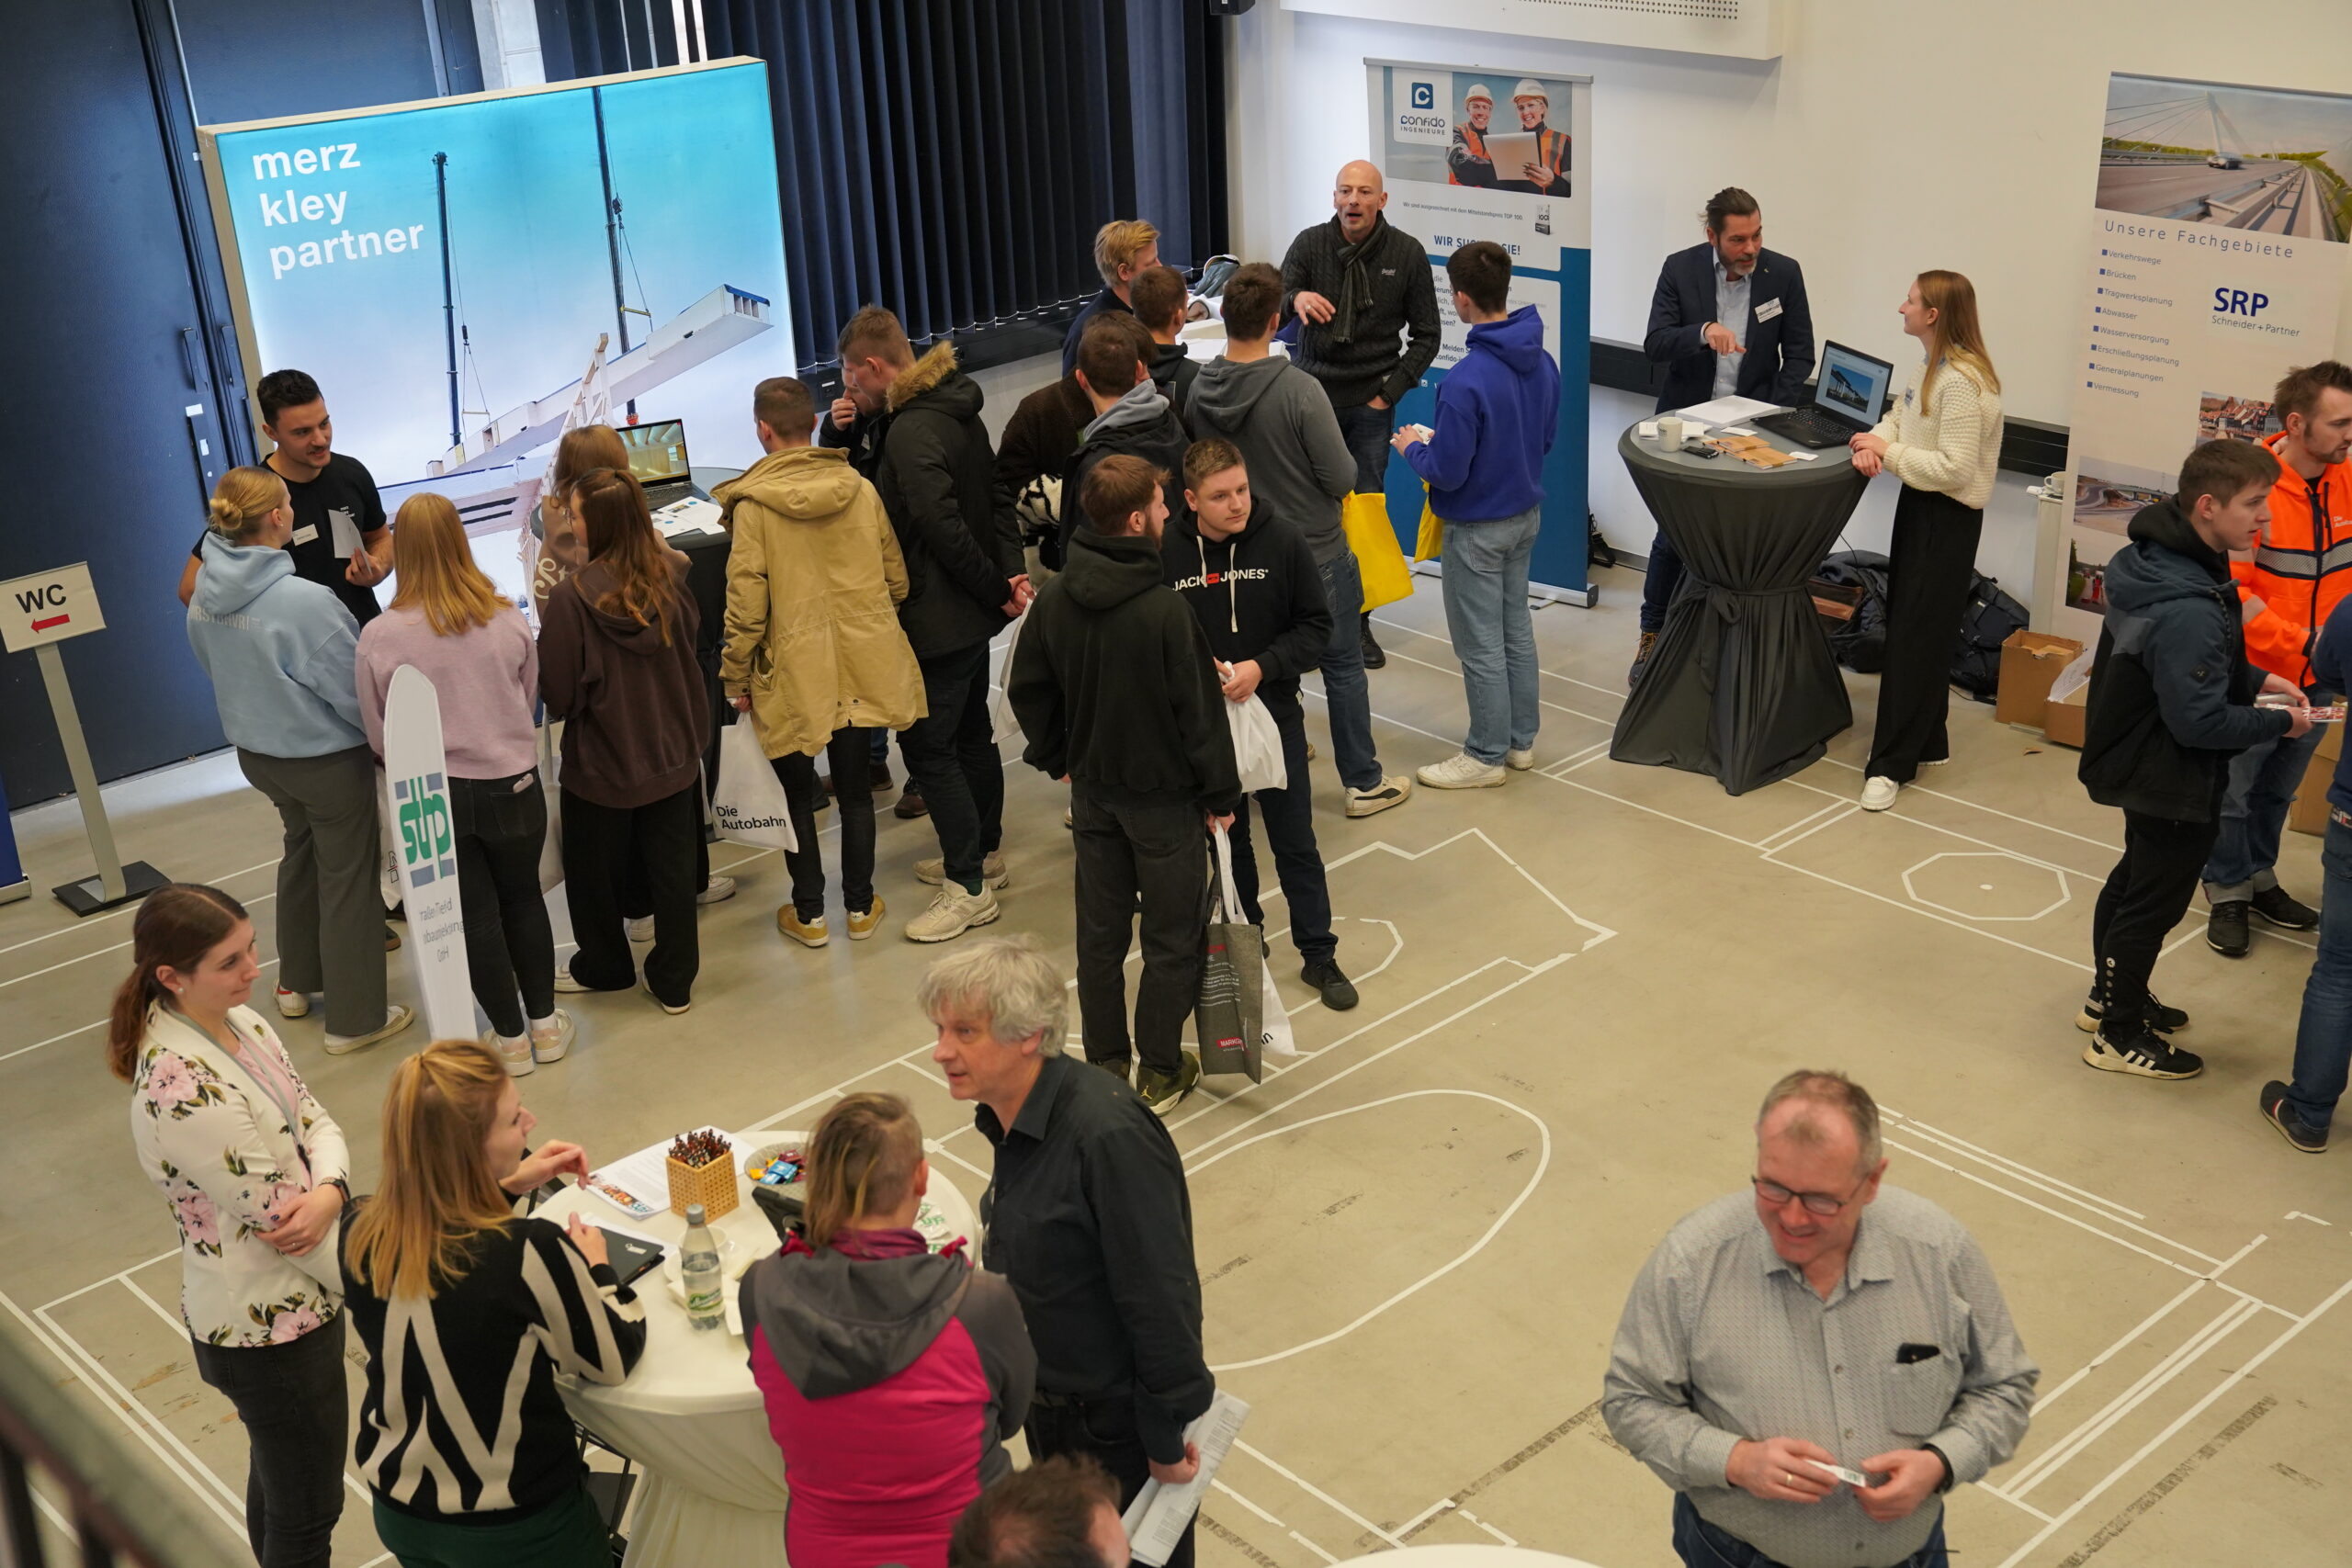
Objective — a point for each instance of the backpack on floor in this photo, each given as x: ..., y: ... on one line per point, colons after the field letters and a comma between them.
x: 1860, y: 644
x: 1990, y: 619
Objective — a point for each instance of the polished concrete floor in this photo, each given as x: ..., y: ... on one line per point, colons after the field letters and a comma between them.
x: 1415, y: 1240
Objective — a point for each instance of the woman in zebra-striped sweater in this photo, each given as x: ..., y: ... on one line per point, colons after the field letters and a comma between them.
x: 467, y: 1313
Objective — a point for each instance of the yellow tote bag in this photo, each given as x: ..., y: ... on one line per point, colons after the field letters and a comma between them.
x: 1379, y: 558
x: 1431, y: 542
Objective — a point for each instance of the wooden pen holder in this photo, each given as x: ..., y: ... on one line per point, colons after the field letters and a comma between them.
x: 712, y: 1186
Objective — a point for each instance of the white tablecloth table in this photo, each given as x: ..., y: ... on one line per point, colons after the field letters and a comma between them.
x: 690, y: 1415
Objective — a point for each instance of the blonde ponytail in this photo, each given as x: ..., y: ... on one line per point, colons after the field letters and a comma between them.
x: 862, y: 1160
x: 242, y: 502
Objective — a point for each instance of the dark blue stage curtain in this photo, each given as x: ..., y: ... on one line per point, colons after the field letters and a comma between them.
x: 952, y: 159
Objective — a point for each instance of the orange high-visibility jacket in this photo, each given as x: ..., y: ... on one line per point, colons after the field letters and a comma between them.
x: 1471, y: 139
x: 2302, y: 567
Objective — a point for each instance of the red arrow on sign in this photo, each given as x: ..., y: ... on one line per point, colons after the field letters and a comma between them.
x: 53, y: 621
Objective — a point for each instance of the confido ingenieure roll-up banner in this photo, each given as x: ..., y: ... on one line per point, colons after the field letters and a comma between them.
x: 1454, y: 143
x: 2217, y: 259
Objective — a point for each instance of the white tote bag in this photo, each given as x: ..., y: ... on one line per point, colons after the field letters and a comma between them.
x: 1257, y: 746
x: 748, y: 804
x: 1001, y: 703
x: 1274, y: 1035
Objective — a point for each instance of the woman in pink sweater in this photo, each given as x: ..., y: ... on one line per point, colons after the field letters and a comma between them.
x: 892, y: 1374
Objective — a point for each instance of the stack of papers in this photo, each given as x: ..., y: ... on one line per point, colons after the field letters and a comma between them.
x: 693, y: 515
x: 1725, y: 411
x: 1156, y: 1519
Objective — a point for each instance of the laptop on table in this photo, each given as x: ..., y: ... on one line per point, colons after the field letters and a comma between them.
x: 1848, y: 397
x: 657, y: 455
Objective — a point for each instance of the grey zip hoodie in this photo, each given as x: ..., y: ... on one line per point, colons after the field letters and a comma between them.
x: 1282, y: 418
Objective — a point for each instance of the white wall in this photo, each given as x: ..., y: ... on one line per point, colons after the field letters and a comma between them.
x: 1893, y: 136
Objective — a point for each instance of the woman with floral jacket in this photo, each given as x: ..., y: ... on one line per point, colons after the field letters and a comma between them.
x: 254, y: 1170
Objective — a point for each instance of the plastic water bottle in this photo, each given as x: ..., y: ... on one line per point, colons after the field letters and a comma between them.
x: 698, y: 1265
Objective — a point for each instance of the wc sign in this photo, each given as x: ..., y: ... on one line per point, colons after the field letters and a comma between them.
x: 48, y: 607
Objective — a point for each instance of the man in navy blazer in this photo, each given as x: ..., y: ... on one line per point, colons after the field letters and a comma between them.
x: 1729, y: 317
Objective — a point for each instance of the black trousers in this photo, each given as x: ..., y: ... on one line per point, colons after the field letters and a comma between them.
x: 951, y: 755
x: 1103, y: 1430
x: 2145, y: 895
x: 1155, y: 853
x: 294, y: 1405
x: 1289, y: 814
x: 1934, y: 560
x: 602, y: 845
x: 500, y: 825
x: 847, y: 755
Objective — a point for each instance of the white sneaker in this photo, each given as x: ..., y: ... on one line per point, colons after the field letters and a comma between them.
x: 953, y: 912
x: 551, y: 1037
x: 992, y: 872
x: 395, y: 1020
x: 1879, y: 792
x: 647, y: 986
x: 1461, y: 771
x: 1519, y: 759
x: 717, y: 890
x: 292, y: 1004
x: 516, y: 1053
x: 641, y: 929
x: 567, y: 985
x: 1390, y: 790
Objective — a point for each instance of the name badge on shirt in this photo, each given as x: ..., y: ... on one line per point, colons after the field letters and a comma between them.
x: 1768, y: 310
x: 306, y: 532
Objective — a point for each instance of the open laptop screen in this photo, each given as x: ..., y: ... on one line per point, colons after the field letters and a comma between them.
x: 657, y: 452
x: 1852, y: 386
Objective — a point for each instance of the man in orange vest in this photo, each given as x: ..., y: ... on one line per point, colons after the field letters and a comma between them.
x: 1548, y: 174
x: 1467, y: 162
x: 2302, y: 568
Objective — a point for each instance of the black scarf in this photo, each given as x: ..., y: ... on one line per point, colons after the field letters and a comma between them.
x: 1355, y: 279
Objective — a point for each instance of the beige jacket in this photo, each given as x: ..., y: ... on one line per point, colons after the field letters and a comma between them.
x: 813, y: 585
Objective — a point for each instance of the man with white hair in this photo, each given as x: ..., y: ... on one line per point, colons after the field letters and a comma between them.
x: 1087, y: 1215
x: 1810, y: 1365
x: 1546, y: 173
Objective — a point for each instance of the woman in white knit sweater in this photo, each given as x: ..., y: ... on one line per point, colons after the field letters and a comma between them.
x: 1942, y: 441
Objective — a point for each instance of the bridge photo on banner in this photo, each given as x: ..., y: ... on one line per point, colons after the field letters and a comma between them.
x: 2216, y: 265
x: 1457, y: 146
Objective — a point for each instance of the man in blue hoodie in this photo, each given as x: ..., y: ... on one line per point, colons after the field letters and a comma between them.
x: 2172, y: 700
x: 1498, y: 410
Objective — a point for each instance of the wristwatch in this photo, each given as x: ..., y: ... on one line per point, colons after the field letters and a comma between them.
x: 1945, y: 1484
x: 340, y: 1185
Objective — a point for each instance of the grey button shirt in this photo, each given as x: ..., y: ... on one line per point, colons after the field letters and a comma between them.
x: 1731, y: 310
x: 1721, y: 1340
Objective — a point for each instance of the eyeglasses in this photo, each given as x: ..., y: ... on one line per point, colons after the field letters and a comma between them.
x: 1820, y: 1203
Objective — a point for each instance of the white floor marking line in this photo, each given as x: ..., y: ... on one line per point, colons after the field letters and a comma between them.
x: 2017, y: 1502
x: 1319, y: 1494
x: 1989, y: 1157
x: 2183, y: 1419
x: 2053, y: 1189
x: 2175, y: 1363
x: 64, y: 1526
x: 2298, y: 1214
x: 2290, y: 941
x: 1488, y: 1527
x: 1554, y: 769
x: 1610, y: 691
x: 2130, y: 1336
x: 118, y: 1274
x: 1535, y: 1178
x: 25, y: 1049
x: 1931, y: 915
x: 208, y: 1486
x: 1849, y: 810
x: 1897, y: 815
x: 2058, y: 1214
x: 1557, y: 707
x: 945, y: 1153
x: 127, y: 909
x: 1312, y: 1547
x: 1809, y: 816
x: 1637, y: 805
x: 1219, y: 1484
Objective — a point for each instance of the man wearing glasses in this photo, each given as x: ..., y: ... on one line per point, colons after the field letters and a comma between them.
x: 1776, y: 1340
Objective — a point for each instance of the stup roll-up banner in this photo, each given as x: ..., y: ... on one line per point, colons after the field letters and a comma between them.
x: 1488, y: 154
x: 417, y: 782
x: 2217, y: 258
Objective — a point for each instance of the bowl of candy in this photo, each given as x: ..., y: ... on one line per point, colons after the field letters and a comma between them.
x: 774, y: 1165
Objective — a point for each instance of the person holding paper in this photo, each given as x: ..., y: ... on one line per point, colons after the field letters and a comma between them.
x: 339, y: 539
x: 1545, y: 170
x: 1728, y: 318
x: 1813, y: 1364
x: 254, y: 1170
x: 1087, y: 1215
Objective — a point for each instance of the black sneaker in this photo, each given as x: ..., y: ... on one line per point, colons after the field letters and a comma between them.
x: 1122, y: 1069
x: 2142, y: 1052
x: 2225, y: 934
x: 2283, y: 910
x: 1163, y: 1092
x: 2161, y: 1018
x: 2311, y: 1140
x: 1373, y: 658
x: 1339, y: 993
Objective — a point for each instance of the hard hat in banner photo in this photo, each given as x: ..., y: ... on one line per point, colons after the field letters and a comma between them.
x: 1529, y: 87
x: 1478, y: 92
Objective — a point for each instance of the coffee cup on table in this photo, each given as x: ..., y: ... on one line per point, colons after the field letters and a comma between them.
x: 1669, y: 432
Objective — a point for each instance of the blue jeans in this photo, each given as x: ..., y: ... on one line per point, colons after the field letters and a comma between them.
x: 1493, y: 630
x: 1660, y: 582
x: 2323, y: 1037
x: 1348, y: 696
x: 1701, y: 1545
x: 1366, y: 431
x: 2254, y: 813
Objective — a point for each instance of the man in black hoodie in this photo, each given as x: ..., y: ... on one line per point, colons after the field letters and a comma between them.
x: 932, y: 462
x: 1251, y: 579
x: 1159, y: 298
x: 2171, y: 701
x: 1130, y: 416
x: 1116, y: 690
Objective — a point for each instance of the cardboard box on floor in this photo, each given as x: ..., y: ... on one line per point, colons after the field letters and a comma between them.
x: 2309, y: 813
x: 2031, y: 660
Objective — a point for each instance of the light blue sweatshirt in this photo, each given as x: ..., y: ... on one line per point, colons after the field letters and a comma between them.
x: 282, y: 653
